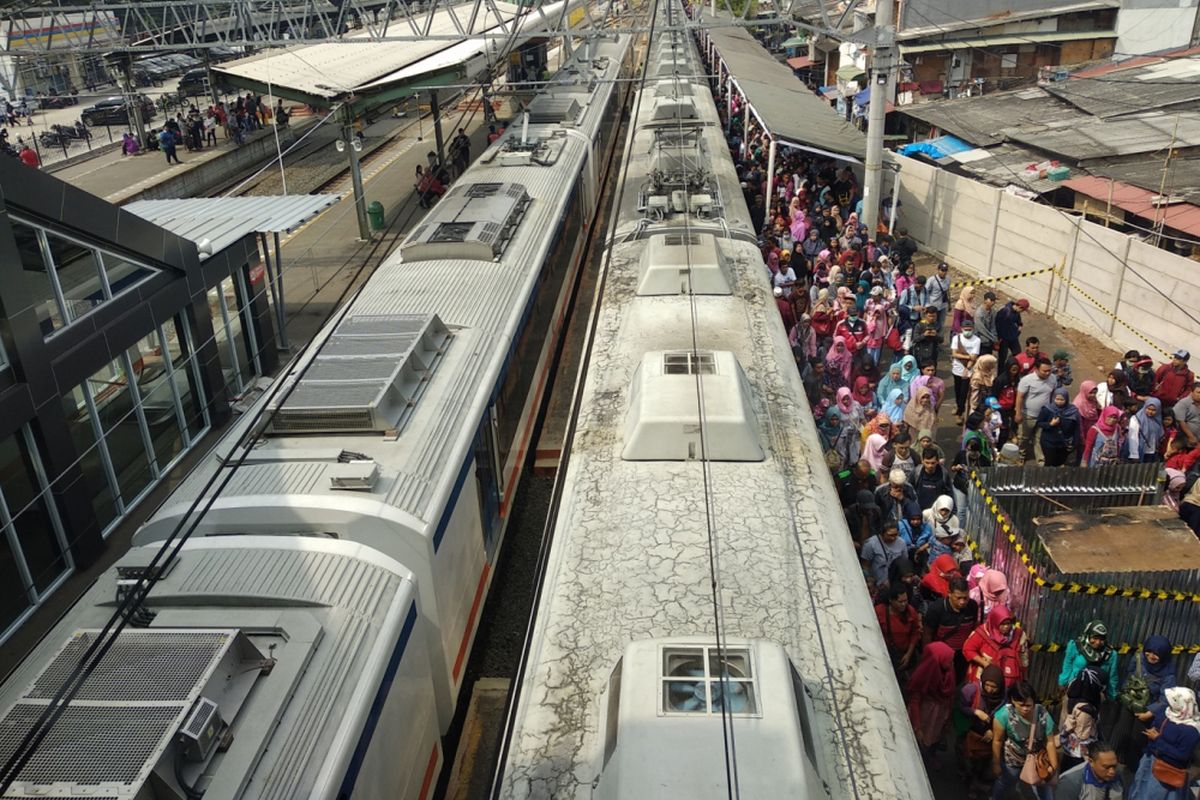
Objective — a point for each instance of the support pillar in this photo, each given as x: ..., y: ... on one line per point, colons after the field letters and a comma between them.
x: 437, y: 124
x: 767, y: 201
x: 360, y: 198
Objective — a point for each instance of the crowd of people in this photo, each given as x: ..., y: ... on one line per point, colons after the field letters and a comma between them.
x: 196, y: 129
x: 892, y: 361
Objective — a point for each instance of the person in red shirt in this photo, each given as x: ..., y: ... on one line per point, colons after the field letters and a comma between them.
x: 1173, y: 382
x: 785, y: 309
x: 901, y: 626
x: 1029, y: 358
x: 996, y: 642
x: 29, y: 158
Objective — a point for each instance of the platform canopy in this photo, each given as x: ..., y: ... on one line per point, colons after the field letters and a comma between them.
x: 789, y: 111
x: 368, y: 73
x: 226, y: 220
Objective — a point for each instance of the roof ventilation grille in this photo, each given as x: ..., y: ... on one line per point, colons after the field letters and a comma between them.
x: 549, y: 108
x: 456, y: 226
x: 149, y: 692
x: 663, y: 422
x: 367, y: 377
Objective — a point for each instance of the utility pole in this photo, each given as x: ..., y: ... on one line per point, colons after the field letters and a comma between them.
x: 360, y: 197
x: 133, y: 102
x: 883, y: 73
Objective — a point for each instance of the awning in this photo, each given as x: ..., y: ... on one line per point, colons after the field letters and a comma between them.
x: 800, y: 62
x: 1048, y: 37
x: 795, y: 41
x: 226, y: 220
x: 1183, y: 217
x: 829, y: 91
x: 849, y: 73
x: 780, y: 101
x: 863, y: 99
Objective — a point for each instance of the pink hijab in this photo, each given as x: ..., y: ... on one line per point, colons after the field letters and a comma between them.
x: 839, y: 360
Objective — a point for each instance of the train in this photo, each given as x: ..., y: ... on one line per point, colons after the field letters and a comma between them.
x: 310, y: 638
x: 702, y: 628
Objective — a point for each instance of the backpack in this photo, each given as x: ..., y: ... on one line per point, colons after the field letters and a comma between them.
x: 1111, y: 450
x: 1136, y: 694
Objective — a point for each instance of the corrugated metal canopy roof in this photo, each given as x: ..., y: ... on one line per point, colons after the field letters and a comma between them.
x: 1000, y: 40
x: 337, y: 68
x: 225, y: 220
x: 1183, y: 177
x: 781, y: 101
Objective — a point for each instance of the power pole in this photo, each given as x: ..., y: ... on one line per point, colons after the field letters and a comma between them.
x: 883, y: 79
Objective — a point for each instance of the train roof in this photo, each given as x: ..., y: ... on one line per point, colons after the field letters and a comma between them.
x: 639, y: 543
x: 414, y: 360
x: 289, y: 638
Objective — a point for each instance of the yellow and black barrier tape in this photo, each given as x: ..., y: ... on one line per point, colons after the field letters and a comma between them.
x: 1110, y: 314
x: 1071, y: 587
x: 998, y: 278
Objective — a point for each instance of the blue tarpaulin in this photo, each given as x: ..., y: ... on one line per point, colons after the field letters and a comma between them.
x: 941, y: 147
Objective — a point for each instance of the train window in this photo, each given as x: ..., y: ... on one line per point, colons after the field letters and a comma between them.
x: 612, y: 712
x: 689, y: 363
x: 707, y: 680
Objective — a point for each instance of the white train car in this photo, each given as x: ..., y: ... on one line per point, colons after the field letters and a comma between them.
x: 409, y: 417
x: 262, y: 667
x: 702, y: 628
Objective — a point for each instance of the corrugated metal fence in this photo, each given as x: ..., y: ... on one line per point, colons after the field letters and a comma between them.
x: 1054, y: 607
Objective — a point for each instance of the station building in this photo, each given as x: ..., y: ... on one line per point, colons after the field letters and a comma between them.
x: 122, y: 346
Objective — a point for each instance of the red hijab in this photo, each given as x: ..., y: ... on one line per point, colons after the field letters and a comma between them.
x: 934, y: 675
x: 862, y: 395
x: 991, y: 626
x: 937, y: 580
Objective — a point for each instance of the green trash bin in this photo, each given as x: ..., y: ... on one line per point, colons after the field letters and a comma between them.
x: 375, y: 214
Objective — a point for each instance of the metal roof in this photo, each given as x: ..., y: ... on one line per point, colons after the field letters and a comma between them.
x: 1138, y: 88
x: 1183, y: 217
x: 225, y: 220
x: 1183, y: 178
x: 992, y: 118
x: 781, y: 101
x: 1098, y: 138
x: 1003, y: 165
x: 337, y: 68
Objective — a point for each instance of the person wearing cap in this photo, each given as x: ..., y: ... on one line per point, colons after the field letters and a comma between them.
x: 1141, y: 379
x: 785, y: 309
x: 1173, y: 381
x: 1008, y: 328
x: 896, y: 498
x: 1062, y: 367
x: 939, y: 293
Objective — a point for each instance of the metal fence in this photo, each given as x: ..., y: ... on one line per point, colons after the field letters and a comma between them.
x: 1053, y: 607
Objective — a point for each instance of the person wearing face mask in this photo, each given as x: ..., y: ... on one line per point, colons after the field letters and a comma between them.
x: 965, y: 347
x: 1058, y: 422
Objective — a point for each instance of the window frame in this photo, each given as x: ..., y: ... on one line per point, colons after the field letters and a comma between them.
x: 707, y: 653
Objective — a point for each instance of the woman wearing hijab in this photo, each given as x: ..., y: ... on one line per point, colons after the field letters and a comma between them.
x: 848, y: 408
x: 840, y: 435
x: 919, y: 415
x: 1147, y: 678
x: 877, y: 322
x: 1004, y: 389
x: 930, y: 694
x: 963, y: 309
x: 936, y: 583
x: 1091, y: 649
x: 863, y: 395
x: 1058, y: 421
x: 1089, y: 411
x: 978, y: 703
x: 993, y: 590
x: 891, y: 380
x: 909, y: 370
x: 1146, y: 432
x: 894, y: 407
x: 1103, y: 443
x: 861, y: 295
x: 997, y: 642
x: 901, y: 626
x: 1174, y: 733
x: 1114, y: 391
x: 875, y: 446
x: 837, y: 364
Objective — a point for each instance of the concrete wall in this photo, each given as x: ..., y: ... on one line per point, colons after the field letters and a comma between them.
x: 1148, y: 26
x: 990, y: 233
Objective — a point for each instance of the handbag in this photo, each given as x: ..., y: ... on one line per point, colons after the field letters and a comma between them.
x: 1037, y: 769
x: 1168, y: 774
x: 1136, y: 694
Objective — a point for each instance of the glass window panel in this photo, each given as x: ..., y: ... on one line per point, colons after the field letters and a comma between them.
x: 78, y: 275
x: 227, y: 327
x: 191, y: 393
x: 30, y: 512
x: 123, y: 273
x: 37, y: 279
x: 241, y: 340
x: 91, y: 463
x: 122, y: 430
x: 13, y: 597
x: 158, y: 403
x: 3, y: 356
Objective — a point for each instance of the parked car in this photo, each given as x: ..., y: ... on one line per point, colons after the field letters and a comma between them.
x: 195, y: 83
x: 111, y: 111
